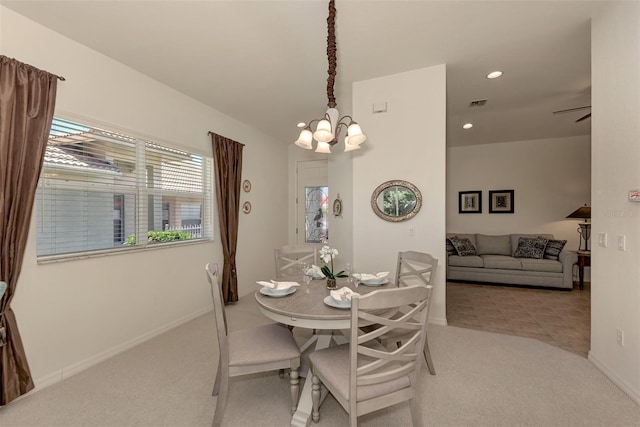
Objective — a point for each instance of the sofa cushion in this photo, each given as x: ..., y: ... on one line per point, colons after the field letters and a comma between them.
x: 463, y: 246
x: 546, y: 265
x: 502, y: 262
x: 465, y: 261
x: 516, y: 237
x: 450, y: 249
x: 553, y: 248
x: 493, y: 245
x: 471, y: 237
x: 530, y: 248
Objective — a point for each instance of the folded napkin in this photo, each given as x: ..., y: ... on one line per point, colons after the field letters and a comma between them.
x: 277, y: 285
x: 363, y: 277
x: 343, y: 294
x: 315, y: 272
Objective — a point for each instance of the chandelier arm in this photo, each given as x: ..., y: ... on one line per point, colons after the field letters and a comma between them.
x: 312, y: 122
x: 346, y: 117
x: 331, y: 54
x: 339, y: 127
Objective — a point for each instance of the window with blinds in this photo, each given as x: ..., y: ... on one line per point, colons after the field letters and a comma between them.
x: 104, y: 191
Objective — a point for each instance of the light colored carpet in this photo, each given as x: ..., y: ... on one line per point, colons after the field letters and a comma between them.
x: 484, y: 379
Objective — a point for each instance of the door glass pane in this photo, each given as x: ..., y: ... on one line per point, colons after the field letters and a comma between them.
x: 316, y: 208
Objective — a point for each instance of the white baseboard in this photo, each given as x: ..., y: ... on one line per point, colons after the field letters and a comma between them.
x: 68, y: 371
x: 440, y: 321
x: 623, y: 385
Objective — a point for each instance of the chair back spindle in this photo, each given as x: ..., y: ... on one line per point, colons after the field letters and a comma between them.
x: 289, y: 260
x: 415, y: 268
x: 218, y: 309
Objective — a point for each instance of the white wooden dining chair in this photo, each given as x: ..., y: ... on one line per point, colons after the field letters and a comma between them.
x: 257, y: 349
x: 417, y: 268
x: 363, y: 375
x: 289, y: 260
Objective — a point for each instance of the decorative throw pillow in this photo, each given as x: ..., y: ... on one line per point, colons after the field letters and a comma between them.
x: 553, y: 248
x: 530, y: 248
x: 450, y: 249
x: 463, y: 247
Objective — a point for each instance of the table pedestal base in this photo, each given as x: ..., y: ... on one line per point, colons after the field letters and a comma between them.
x: 322, y: 339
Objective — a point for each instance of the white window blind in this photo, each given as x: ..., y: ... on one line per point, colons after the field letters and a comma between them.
x: 104, y: 191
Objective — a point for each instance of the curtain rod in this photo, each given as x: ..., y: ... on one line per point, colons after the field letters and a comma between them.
x: 62, y: 79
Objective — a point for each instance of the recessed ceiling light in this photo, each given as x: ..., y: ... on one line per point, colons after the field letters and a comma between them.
x: 494, y: 74
x: 301, y: 124
x: 467, y: 126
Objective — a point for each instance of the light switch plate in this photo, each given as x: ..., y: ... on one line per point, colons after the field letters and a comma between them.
x: 379, y: 107
x: 622, y: 244
x: 602, y: 239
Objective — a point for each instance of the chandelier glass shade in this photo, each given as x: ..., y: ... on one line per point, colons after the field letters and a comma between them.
x: 328, y: 128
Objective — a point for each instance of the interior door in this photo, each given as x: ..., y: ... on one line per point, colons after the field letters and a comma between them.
x: 312, y: 199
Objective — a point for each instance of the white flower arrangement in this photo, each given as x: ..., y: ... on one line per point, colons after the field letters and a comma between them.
x: 327, y: 255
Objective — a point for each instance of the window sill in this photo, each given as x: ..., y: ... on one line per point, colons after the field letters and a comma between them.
x: 49, y: 259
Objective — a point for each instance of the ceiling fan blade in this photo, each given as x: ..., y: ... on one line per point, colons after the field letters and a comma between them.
x: 583, y: 117
x: 572, y: 109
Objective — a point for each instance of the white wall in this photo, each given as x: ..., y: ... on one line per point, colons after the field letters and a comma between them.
x: 551, y: 178
x: 408, y: 143
x: 615, y: 291
x: 75, y: 313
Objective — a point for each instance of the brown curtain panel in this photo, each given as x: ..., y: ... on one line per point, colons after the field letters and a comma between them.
x: 228, y: 158
x: 27, y: 100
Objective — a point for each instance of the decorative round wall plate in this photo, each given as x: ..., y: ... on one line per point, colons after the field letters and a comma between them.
x: 246, y: 185
x: 246, y: 207
x: 337, y: 206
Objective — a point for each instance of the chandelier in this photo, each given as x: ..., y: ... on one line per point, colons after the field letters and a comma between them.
x: 329, y: 127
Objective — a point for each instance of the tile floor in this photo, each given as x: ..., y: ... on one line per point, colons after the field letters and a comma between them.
x: 557, y: 317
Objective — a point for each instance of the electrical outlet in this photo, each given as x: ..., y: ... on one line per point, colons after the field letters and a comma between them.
x: 602, y: 239
x: 620, y: 337
x: 622, y: 244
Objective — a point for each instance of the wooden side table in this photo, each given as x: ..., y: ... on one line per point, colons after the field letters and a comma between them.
x: 584, y: 260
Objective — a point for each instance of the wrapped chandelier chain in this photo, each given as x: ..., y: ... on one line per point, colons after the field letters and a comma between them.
x: 331, y: 54
x: 328, y: 128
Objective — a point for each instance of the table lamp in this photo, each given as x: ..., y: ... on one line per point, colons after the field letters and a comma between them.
x: 584, y: 228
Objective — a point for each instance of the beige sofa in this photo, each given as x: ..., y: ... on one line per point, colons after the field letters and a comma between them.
x: 495, y: 262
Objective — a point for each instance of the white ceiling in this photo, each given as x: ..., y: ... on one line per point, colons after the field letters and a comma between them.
x: 264, y: 62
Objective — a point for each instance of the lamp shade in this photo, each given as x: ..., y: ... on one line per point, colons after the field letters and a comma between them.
x: 323, y: 131
x: 304, y: 140
x: 356, y: 137
x: 582, y: 212
x: 323, y: 147
x: 349, y: 147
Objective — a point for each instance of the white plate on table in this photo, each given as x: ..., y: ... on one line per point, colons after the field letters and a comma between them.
x: 375, y: 282
x: 331, y: 301
x: 277, y: 293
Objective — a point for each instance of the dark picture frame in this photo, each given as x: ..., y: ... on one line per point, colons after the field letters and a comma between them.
x: 469, y: 202
x: 501, y: 201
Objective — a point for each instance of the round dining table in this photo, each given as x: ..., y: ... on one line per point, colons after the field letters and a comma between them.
x: 306, y: 308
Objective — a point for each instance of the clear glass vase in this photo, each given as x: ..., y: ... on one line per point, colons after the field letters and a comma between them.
x: 332, y: 284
